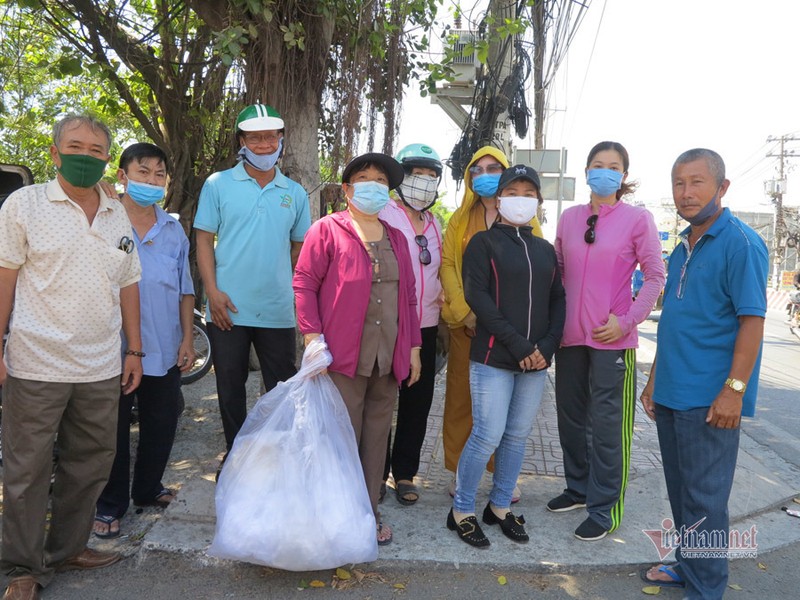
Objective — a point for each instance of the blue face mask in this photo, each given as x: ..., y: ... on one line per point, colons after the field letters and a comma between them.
x: 708, y: 211
x: 144, y: 194
x: 261, y: 162
x: 486, y: 185
x: 604, y: 182
x: 369, y: 197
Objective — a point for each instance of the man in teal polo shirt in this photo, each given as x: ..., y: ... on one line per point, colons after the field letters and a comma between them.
x: 259, y: 217
x: 705, y: 375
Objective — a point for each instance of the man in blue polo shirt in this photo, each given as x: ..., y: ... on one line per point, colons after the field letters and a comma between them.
x: 705, y: 375
x: 259, y: 218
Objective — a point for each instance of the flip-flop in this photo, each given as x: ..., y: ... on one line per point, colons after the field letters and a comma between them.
x: 107, y: 520
x: 677, y: 580
x: 386, y: 541
x: 157, y: 501
x: 404, y: 488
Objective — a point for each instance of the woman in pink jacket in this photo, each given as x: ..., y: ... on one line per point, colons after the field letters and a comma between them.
x: 354, y: 283
x: 598, y: 246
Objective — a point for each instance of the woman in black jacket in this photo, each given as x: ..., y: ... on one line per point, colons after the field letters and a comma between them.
x: 512, y: 284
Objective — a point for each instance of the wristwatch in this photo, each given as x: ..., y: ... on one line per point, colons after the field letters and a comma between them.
x: 737, y: 385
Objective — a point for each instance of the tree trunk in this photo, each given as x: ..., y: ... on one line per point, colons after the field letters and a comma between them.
x: 291, y: 80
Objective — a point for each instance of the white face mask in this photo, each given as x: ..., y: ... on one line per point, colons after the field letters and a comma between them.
x: 419, y: 191
x: 518, y: 210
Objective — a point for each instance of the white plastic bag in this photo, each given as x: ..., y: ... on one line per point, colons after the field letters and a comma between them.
x: 292, y: 494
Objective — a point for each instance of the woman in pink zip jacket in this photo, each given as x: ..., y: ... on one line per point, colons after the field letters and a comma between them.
x: 598, y: 246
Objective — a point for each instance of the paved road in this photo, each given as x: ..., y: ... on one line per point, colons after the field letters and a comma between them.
x: 770, y: 576
x: 177, y: 575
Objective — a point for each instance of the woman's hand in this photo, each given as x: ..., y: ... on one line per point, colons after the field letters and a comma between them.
x: 608, y: 333
x: 416, y: 366
x: 533, y: 362
x: 470, y: 321
x: 309, y: 337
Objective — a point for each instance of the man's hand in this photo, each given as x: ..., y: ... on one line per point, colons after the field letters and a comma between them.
x: 220, y: 304
x: 726, y: 410
x: 608, y: 333
x: 131, y: 373
x: 647, y: 399
x: 416, y: 366
x: 109, y: 190
x: 3, y: 371
x: 186, y: 355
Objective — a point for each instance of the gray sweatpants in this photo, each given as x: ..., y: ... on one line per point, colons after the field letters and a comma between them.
x: 595, y: 400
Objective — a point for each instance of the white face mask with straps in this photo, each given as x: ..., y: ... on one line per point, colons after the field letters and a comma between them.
x: 419, y: 191
x: 517, y: 210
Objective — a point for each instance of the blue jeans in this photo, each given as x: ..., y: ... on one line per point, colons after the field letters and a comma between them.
x: 504, y: 405
x: 699, y: 463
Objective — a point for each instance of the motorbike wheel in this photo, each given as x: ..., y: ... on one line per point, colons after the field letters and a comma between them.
x: 202, y: 348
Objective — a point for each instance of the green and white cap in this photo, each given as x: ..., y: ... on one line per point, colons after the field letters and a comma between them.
x: 259, y: 117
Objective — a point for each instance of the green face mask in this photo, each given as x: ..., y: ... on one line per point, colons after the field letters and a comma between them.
x: 81, y: 170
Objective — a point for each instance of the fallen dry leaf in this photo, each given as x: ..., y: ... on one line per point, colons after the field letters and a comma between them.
x: 316, y: 583
x: 399, y: 586
x: 356, y: 578
x: 502, y: 580
x: 343, y: 574
x: 762, y: 566
x: 651, y: 590
x: 796, y: 500
x: 735, y: 586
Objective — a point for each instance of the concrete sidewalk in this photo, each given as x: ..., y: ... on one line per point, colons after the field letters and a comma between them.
x: 764, y: 482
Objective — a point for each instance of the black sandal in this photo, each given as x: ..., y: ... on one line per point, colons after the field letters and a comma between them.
x: 107, y: 520
x: 405, y: 488
x: 468, y: 530
x: 513, y: 527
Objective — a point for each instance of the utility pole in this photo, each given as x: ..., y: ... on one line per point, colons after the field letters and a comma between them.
x: 501, y: 57
x: 539, y: 44
x: 777, y: 188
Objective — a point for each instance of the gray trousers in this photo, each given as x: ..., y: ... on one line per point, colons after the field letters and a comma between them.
x: 370, y: 402
x: 84, y: 416
x: 595, y: 402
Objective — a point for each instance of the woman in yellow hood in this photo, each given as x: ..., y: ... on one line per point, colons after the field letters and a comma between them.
x: 478, y: 211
